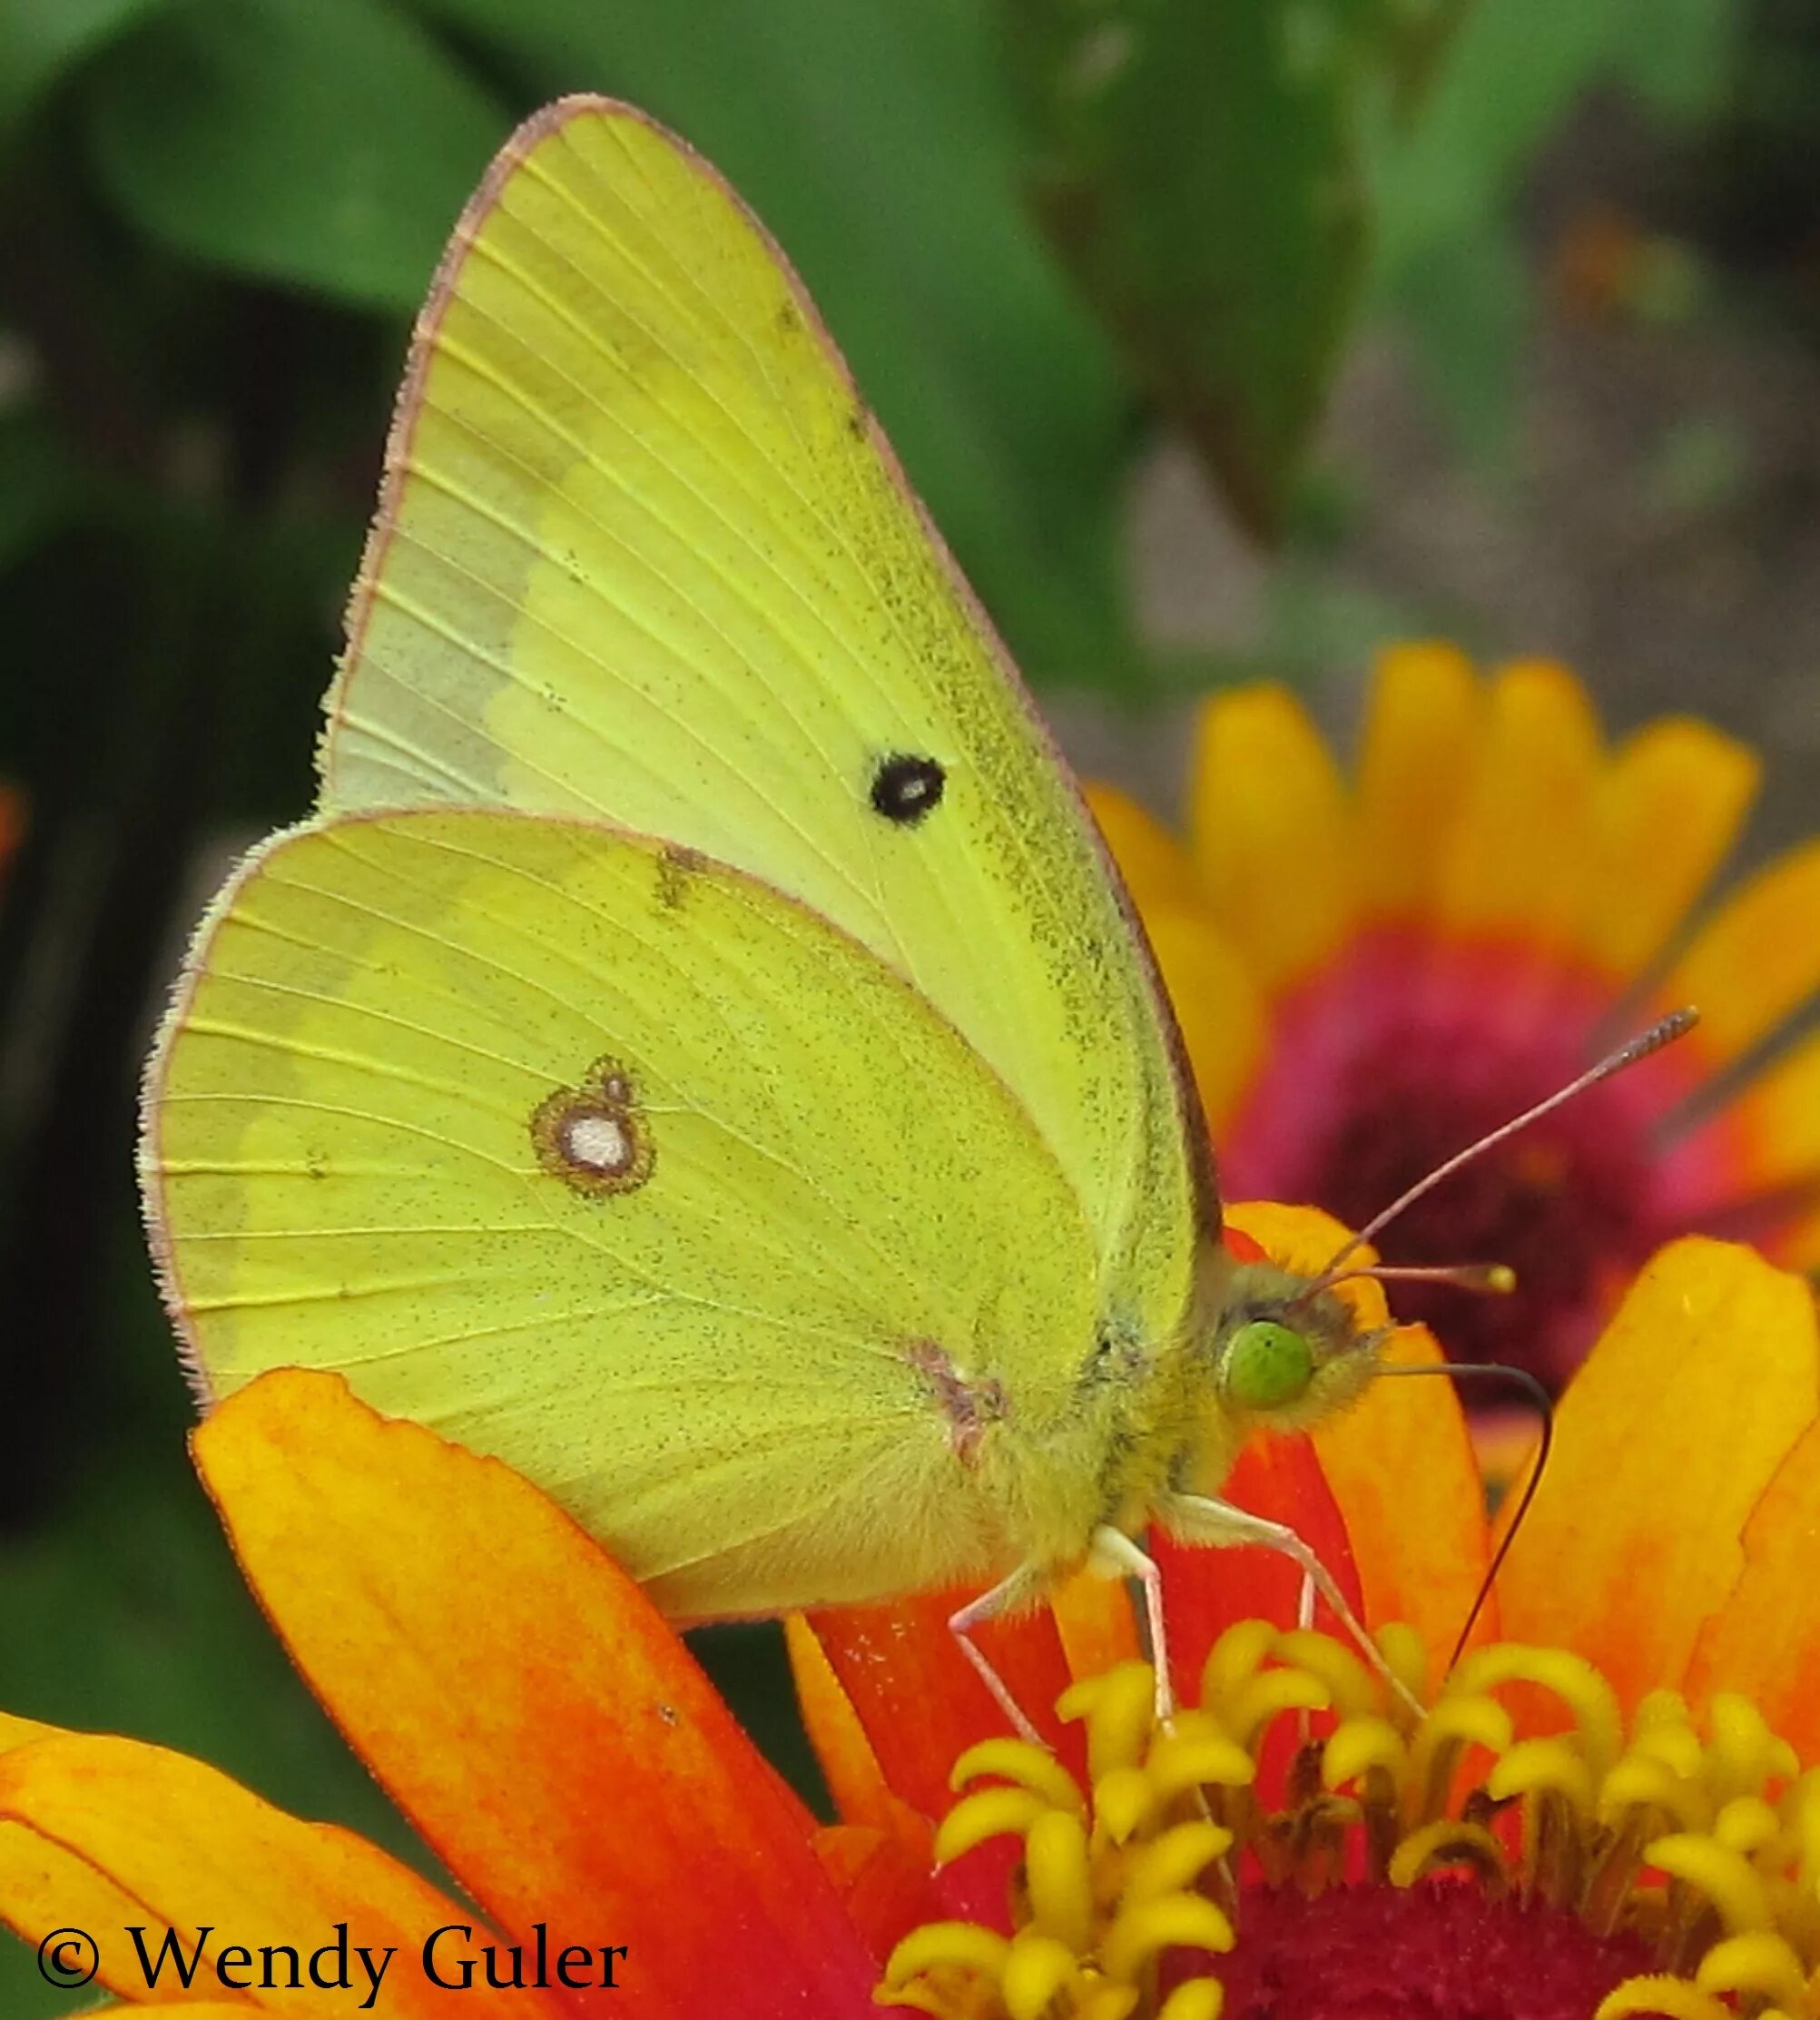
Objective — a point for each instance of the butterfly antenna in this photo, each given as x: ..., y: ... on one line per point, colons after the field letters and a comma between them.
x: 1537, y: 1396
x: 1665, y: 1032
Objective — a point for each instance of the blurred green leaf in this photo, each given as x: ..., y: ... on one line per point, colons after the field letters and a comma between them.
x: 41, y: 483
x: 1469, y: 310
x: 328, y: 144
x: 1512, y: 73
x: 1681, y: 56
x: 40, y: 40
x: 872, y: 140
x: 1445, y: 178
x: 1199, y: 170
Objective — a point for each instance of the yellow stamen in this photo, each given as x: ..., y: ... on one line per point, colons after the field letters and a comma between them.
x: 963, y: 1946
x: 1443, y: 1843
x: 1570, y: 1677
x: 1234, y: 1658
x: 1724, y: 1876
x: 1746, y: 1824
x: 1174, y: 1860
x: 1197, y: 1753
x: 1534, y: 1766
x: 1760, y: 1964
x: 991, y: 1813
x: 1702, y: 1841
x: 1018, y: 1760
x: 1037, y: 1968
x: 1360, y: 1744
x: 1266, y: 1695
x: 1351, y: 1690
x: 1197, y: 1999
x: 1661, y: 1994
x: 1177, y: 1921
x: 1061, y: 1879
x: 1122, y: 1801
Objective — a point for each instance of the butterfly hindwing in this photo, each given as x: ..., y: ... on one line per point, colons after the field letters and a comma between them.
x: 617, y: 1164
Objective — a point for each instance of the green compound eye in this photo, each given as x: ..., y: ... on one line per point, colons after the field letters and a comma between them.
x: 1266, y: 1365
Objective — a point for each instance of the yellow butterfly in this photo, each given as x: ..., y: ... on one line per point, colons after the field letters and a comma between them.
x: 699, y: 1050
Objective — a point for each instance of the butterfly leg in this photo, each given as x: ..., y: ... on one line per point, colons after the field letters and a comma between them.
x: 1112, y: 1551
x: 1003, y: 1598
x: 1197, y: 1519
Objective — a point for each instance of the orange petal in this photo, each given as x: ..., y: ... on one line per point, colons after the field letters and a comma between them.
x: 1777, y: 1117
x: 1416, y: 761
x: 1672, y: 1428
x: 1669, y: 809
x: 1219, y: 1008
x: 1304, y: 1238
x: 523, y: 1701
x: 1757, y: 958
x: 1094, y: 1619
x: 1273, y: 833
x: 885, y: 1891
x: 1760, y: 1156
x: 1205, y: 1590
x: 1401, y: 1467
x: 1514, y: 864
x: 863, y: 1797
x: 1766, y: 1640
x: 918, y: 1698
x: 192, y: 1847
x: 1155, y: 867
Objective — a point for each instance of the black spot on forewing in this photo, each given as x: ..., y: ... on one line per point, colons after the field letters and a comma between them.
x: 907, y: 789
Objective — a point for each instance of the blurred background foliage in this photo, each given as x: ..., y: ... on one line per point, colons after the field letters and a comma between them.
x: 1071, y: 246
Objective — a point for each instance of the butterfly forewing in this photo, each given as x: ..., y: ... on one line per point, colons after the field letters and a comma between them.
x: 643, y: 555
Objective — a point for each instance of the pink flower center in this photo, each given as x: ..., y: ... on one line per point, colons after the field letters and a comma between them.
x: 1442, y: 1950
x: 1388, y: 1064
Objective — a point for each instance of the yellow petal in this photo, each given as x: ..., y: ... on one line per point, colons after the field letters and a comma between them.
x: 1416, y: 761
x: 1757, y: 958
x: 1273, y: 833
x: 1515, y: 864
x: 1765, y: 1642
x: 1155, y: 865
x: 1706, y: 1377
x: 1669, y: 809
x: 188, y: 1847
x: 1219, y: 1008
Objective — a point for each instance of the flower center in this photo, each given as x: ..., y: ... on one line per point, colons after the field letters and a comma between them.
x: 1296, y: 1844
x: 1382, y: 1069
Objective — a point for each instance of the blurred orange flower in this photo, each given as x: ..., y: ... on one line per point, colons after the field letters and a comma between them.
x: 1372, y: 973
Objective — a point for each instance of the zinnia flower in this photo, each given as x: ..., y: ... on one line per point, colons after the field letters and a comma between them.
x: 1370, y: 975
x: 1612, y: 1806
x: 558, y: 1749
